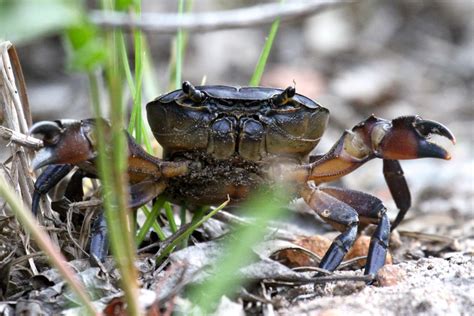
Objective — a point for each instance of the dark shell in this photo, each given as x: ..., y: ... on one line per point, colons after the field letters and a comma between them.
x: 245, y: 122
x: 237, y: 93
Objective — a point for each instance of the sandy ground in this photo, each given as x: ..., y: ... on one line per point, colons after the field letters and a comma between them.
x: 428, y: 286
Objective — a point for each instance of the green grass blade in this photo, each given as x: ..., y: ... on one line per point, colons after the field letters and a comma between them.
x: 150, y: 78
x: 126, y: 64
x: 156, y: 226
x: 262, y: 60
x: 112, y: 166
x: 170, y: 216
x: 187, y: 232
x: 179, y: 50
x: 149, y: 222
x: 118, y: 231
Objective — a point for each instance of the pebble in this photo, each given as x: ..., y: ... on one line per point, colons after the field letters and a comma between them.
x: 390, y: 275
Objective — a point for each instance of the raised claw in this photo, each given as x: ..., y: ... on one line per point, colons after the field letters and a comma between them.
x: 427, y: 127
x: 408, y: 137
x: 65, y: 142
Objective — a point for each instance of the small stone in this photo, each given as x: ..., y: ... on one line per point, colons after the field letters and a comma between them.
x: 390, y: 275
x: 331, y: 312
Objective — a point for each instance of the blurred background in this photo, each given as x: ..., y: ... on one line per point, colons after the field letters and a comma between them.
x: 389, y: 58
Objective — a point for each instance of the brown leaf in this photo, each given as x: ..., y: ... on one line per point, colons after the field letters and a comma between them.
x: 319, y: 245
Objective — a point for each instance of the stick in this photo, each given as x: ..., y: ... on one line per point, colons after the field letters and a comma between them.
x: 20, y: 139
x: 169, y: 23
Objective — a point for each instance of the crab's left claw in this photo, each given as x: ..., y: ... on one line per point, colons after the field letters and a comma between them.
x: 407, y: 137
x: 65, y: 142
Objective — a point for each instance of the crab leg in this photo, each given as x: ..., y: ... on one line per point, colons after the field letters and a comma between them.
x: 46, y: 181
x: 345, y: 210
x: 99, y: 245
x: 341, y: 216
x: 398, y: 187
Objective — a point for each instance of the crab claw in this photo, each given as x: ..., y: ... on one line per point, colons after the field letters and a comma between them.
x: 65, y: 142
x: 407, y: 137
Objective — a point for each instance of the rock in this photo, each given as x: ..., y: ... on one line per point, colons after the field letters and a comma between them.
x: 390, y: 275
x: 331, y: 312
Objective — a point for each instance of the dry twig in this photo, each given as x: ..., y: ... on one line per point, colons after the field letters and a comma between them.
x: 20, y: 138
x: 169, y: 23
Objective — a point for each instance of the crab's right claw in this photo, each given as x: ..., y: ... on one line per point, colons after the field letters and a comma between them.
x: 65, y: 142
x: 408, y: 137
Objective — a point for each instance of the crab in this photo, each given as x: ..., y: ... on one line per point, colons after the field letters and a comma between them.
x: 221, y: 141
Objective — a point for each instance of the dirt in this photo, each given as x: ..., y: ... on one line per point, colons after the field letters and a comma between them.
x: 429, y: 286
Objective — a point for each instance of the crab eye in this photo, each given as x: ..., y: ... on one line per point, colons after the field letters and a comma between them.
x: 283, y: 98
x: 192, y: 96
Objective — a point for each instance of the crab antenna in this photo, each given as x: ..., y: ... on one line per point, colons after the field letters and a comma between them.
x: 284, y: 97
x: 192, y: 92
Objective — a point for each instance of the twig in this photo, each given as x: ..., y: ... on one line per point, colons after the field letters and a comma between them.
x: 244, y: 294
x: 20, y: 81
x: 14, y: 118
x: 320, y: 279
x: 429, y: 237
x: 93, y: 203
x: 232, y: 219
x: 20, y: 138
x: 168, y: 23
